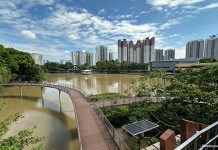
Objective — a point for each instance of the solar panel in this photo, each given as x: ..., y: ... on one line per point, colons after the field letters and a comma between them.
x: 140, y: 127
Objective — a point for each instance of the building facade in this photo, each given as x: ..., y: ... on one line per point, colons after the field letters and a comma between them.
x: 169, y: 54
x: 91, y: 59
x: 195, y: 49
x: 101, y: 53
x: 111, y: 56
x: 83, y: 57
x: 211, y: 47
x: 38, y: 58
x: 159, y: 54
x: 141, y: 52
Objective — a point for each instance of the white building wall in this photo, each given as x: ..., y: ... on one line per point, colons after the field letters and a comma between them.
x: 153, y: 53
x: 138, y: 52
x: 119, y: 54
x: 146, y: 53
x: 38, y: 58
x: 125, y: 53
x: 131, y: 54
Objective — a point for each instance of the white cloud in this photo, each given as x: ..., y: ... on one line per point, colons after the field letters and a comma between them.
x: 101, y: 11
x: 67, y: 52
x: 209, y: 6
x: 174, y: 35
x: 172, y: 3
x: 180, y: 53
x: 28, y: 34
x: 169, y: 23
x: 83, y: 29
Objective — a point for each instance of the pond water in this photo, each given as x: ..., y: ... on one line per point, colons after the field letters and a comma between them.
x: 54, y: 118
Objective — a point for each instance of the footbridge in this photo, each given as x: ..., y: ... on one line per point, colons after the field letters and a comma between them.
x: 93, y: 134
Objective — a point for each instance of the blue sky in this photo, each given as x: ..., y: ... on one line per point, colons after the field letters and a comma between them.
x: 54, y: 28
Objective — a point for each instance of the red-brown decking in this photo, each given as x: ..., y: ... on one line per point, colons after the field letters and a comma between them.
x: 93, y: 134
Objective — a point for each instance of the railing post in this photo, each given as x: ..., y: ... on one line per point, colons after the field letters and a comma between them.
x: 21, y: 91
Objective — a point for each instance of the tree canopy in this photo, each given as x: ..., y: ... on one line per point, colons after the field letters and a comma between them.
x: 20, y: 64
x: 191, y: 94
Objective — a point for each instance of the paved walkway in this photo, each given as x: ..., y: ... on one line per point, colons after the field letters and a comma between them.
x: 93, y: 134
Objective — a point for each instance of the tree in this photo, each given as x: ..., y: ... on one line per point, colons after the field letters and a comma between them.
x: 22, y: 138
x: 191, y: 94
x: 18, y: 64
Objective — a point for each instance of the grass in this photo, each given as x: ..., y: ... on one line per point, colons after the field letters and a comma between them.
x: 105, y: 97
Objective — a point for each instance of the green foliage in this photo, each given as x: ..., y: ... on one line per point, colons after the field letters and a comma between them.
x: 52, y: 66
x: 19, y: 141
x: 20, y: 64
x: 191, y: 94
x: 208, y: 60
x: 115, y: 66
x: 121, y: 115
x: 5, y: 76
x: 105, y: 96
x: 134, y: 147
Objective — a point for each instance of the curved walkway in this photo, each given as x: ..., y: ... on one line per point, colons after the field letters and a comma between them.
x: 93, y: 134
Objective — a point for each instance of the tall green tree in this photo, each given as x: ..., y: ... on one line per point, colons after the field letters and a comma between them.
x: 20, y: 65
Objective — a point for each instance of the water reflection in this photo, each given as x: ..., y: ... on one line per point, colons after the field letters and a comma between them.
x: 95, y: 83
x: 59, y: 127
x: 55, y: 118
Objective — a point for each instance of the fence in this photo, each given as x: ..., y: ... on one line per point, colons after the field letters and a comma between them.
x: 202, y: 140
x: 120, y: 142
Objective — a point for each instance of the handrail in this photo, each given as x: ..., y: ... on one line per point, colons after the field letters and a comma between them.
x: 192, y: 140
x: 57, y: 86
x: 48, y: 84
x: 119, y: 141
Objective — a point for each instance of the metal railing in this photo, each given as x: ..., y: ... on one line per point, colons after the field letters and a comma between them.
x: 207, y: 138
x: 117, y: 138
x: 60, y: 86
x: 117, y: 102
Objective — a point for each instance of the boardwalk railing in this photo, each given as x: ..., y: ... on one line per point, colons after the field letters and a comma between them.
x: 60, y: 86
x: 203, y: 140
x: 117, y: 102
x: 117, y: 138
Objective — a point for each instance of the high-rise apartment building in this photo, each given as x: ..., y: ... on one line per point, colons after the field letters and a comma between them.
x: 195, y: 49
x: 141, y: 52
x: 211, y: 47
x: 169, y: 54
x: 101, y: 53
x: 91, y: 59
x: 159, y: 54
x: 38, y: 58
x: 111, y: 56
x: 83, y: 57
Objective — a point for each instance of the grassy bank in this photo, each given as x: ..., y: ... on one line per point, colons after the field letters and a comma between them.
x: 105, y: 96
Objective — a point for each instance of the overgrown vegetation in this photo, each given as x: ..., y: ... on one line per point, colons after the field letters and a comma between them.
x: 191, y: 94
x: 104, y: 66
x: 105, y: 96
x: 24, y: 137
x: 20, y: 65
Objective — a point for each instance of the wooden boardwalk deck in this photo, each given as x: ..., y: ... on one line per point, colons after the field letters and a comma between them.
x: 93, y: 134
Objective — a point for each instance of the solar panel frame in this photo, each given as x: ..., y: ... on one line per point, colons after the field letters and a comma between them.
x: 139, y: 127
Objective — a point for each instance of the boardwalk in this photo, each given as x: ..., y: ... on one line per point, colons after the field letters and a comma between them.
x: 124, y: 101
x: 93, y: 134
